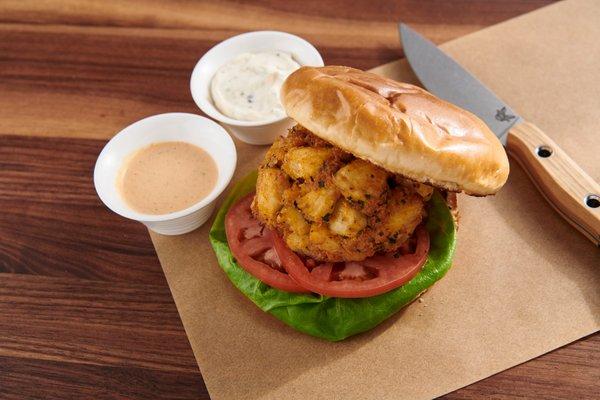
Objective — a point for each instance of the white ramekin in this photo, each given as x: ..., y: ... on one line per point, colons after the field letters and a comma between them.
x: 253, y: 132
x: 184, y: 127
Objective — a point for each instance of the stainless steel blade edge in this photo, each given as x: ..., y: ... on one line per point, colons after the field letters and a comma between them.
x: 447, y: 79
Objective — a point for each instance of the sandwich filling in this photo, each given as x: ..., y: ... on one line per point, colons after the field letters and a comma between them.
x: 331, y: 206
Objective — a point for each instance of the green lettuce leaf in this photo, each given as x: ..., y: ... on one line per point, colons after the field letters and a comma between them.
x: 335, y: 318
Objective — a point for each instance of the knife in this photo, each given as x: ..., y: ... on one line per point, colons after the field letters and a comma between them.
x: 570, y: 191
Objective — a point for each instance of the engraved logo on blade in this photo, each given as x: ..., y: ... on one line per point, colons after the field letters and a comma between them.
x: 501, y: 115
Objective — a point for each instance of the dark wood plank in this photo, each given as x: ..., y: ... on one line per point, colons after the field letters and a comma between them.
x: 53, y: 223
x: 22, y: 378
x: 92, y: 322
x: 85, y: 310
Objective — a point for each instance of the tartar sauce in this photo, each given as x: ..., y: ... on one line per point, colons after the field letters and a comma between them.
x: 247, y: 87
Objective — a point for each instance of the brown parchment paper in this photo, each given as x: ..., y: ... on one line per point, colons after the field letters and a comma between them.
x: 523, y: 282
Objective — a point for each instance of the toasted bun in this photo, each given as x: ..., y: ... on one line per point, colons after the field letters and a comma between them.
x: 397, y: 126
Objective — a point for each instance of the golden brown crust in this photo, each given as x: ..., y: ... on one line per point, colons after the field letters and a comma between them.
x: 330, y: 206
x: 452, y: 202
x: 397, y: 126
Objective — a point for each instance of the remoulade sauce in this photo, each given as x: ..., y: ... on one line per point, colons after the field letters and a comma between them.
x: 165, y: 177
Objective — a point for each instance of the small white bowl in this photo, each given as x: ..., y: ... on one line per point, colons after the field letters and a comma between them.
x: 253, y: 132
x: 190, y: 128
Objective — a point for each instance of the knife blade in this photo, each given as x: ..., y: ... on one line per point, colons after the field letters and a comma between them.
x: 569, y: 189
x: 455, y: 85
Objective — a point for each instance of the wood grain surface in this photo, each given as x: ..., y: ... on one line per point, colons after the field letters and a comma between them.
x: 85, y: 311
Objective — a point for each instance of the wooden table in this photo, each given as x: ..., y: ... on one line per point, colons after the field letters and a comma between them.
x: 85, y: 311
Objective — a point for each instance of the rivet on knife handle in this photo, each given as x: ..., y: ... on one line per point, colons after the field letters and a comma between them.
x: 572, y: 192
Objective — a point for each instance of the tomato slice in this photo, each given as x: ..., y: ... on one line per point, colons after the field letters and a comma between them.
x: 252, y: 246
x: 370, y: 277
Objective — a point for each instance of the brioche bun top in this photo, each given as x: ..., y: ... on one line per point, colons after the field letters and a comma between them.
x: 398, y: 126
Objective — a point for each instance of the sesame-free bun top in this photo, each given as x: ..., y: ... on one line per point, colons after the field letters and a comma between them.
x: 397, y: 126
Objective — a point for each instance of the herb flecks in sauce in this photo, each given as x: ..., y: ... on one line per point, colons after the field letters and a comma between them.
x: 247, y: 87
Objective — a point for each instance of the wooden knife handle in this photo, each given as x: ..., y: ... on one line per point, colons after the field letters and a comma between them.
x: 572, y: 192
